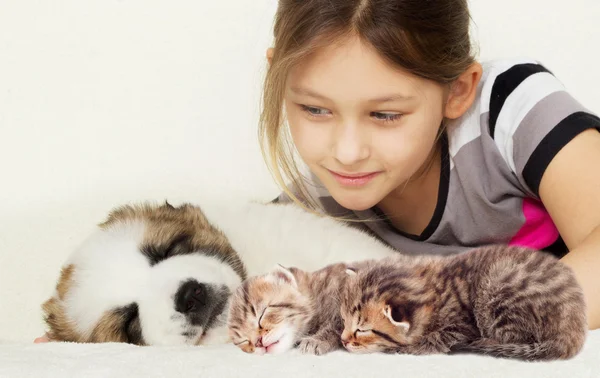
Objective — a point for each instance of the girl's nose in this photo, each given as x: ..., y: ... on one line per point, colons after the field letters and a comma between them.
x: 350, y: 145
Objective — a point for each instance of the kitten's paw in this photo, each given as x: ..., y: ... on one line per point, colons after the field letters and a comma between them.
x: 313, y: 345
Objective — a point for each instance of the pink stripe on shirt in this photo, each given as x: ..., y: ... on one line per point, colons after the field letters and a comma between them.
x: 538, y: 231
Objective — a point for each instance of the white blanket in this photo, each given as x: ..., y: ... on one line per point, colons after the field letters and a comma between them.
x: 123, y: 360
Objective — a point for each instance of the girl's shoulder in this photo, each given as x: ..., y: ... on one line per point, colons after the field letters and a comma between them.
x: 522, y: 116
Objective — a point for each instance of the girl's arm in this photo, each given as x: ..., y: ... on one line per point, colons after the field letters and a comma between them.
x: 570, y: 191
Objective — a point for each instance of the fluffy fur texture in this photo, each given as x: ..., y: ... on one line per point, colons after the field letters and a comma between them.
x: 503, y: 301
x: 164, y: 274
x: 273, y: 313
x: 149, y: 275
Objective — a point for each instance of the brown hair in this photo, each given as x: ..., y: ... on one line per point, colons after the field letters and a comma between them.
x: 429, y: 39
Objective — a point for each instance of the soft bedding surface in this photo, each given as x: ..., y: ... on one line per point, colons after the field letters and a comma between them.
x: 123, y: 360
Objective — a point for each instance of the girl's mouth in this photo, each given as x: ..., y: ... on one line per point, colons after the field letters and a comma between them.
x: 354, y: 179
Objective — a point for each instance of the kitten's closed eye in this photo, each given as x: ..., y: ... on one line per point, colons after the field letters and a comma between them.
x: 281, y: 305
x: 359, y: 332
x: 242, y: 343
x: 272, y: 315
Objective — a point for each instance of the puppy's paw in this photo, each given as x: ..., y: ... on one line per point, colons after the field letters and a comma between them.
x: 313, y: 345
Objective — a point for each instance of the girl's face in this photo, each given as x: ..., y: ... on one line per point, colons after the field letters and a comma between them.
x: 362, y: 126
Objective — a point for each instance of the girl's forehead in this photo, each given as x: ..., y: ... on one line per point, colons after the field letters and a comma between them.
x: 353, y: 70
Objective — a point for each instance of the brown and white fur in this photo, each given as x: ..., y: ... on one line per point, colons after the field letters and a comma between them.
x: 161, y: 274
x: 289, y: 307
x: 499, y: 300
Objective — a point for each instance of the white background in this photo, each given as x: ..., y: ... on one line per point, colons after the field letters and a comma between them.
x: 104, y: 102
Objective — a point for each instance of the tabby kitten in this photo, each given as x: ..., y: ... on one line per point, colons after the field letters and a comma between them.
x: 503, y: 301
x: 275, y: 312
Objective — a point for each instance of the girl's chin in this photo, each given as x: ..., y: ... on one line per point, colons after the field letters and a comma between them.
x: 356, y: 201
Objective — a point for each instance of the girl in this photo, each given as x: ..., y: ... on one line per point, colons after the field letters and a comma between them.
x: 404, y: 132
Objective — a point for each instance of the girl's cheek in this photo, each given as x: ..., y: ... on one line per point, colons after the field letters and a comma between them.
x: 308, y: 138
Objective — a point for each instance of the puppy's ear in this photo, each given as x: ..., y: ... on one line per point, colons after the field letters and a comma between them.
x: 60, y: 326
x: 397, y: 317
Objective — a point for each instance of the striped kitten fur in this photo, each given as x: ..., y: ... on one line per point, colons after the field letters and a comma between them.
x: 275, y: 312
x: 503, y: 301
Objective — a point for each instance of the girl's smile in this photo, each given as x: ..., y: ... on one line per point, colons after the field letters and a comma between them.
x: 354, y: 179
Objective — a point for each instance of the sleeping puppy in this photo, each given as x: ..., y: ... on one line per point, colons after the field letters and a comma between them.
x: 148, y: 275
x: 164, y: 275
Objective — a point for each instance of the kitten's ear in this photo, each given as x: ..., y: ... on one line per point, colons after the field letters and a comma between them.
x: 284, y: 274
x: 351, y: 271
x: 397, y: 317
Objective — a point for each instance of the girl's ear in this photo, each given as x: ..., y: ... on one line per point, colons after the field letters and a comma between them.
x: 397, y: 317
x: 462, y: 92
x: 270, y: 52
x: 284, y: 275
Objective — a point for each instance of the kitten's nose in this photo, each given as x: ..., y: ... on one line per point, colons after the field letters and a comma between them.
x: 259, y: 342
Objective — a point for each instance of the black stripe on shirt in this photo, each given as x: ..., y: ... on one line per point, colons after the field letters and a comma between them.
x: 505, y: 84
x: 559, y: 249
x: 553, y: 142
x: 442, y: 198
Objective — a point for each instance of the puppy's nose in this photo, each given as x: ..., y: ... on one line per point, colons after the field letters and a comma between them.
x: 192, y: 296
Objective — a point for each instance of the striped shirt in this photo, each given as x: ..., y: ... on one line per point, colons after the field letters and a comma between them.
x: 493, y: 159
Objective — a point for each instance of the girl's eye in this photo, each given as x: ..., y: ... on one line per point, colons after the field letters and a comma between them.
x: 386, y: 117
x: 314, y: 111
